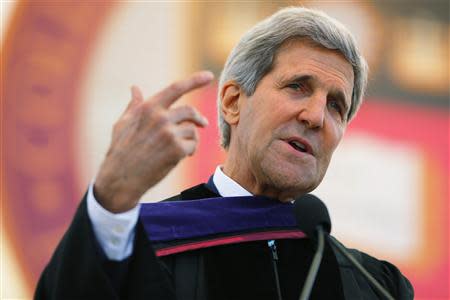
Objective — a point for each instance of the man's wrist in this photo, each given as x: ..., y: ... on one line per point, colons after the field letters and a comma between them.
x: 114, y: 201
x: 114, y: 231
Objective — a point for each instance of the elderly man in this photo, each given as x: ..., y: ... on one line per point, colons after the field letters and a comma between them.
x: 286, y: 95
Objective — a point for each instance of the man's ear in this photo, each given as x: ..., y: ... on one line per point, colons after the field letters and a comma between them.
x: 231, y: 95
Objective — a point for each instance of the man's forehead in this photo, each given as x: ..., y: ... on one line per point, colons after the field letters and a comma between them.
x: 310, y: 44
x: 305, y: 60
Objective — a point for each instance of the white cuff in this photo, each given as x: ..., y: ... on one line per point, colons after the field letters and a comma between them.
x: 114, y: 232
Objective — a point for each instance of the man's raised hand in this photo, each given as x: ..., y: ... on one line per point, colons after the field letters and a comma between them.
x: 148, y: 141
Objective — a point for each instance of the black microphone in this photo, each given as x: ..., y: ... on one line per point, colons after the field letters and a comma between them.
x: 311, y: 212
x: 313, y: 218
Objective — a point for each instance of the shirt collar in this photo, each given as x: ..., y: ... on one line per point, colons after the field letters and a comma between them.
x: 226, y: 186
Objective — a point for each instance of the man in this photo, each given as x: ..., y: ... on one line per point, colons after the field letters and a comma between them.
x: 286, y: 95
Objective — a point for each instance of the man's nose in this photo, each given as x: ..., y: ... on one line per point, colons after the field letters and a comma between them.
x: 312, y: 112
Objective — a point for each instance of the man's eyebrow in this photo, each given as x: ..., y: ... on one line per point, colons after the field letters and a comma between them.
x: 298, y: 78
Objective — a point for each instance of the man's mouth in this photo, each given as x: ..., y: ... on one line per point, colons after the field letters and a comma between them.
x: 300, y: 146
x: 297, y: 146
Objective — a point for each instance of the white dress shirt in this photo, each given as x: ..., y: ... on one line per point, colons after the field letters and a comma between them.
x: 115, y: 232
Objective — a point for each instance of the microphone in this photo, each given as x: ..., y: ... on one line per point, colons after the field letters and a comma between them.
x: 313, y: 218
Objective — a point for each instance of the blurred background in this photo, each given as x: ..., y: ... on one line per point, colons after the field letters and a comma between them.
x: 66, y: 71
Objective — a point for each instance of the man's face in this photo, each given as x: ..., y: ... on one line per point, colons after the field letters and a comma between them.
x: 287, y: 130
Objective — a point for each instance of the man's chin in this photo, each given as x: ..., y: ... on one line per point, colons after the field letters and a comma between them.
x: 288, y: 180
x: 297, y: 183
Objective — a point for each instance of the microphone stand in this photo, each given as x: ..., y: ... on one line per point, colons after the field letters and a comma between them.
x: 314, y: 268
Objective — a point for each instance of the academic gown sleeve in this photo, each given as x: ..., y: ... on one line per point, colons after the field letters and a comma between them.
x: 78, y: 268
x: 389, y: 276
x: 356, y: 286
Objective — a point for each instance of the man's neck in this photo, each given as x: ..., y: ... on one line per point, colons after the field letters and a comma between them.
x: 247, y: 182
x: 226, y: 186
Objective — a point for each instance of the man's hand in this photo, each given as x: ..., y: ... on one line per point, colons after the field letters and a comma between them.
x: 148, y: 140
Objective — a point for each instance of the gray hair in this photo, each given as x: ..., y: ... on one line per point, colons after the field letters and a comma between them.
x: 252, y: 58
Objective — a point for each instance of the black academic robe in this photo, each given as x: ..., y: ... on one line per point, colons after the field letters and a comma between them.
x: 79, y: 269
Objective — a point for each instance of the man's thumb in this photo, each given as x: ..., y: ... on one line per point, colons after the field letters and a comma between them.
x: 136, y: 97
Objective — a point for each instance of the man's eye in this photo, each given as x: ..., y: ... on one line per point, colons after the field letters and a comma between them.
x: 335, y: 105
x: 297, y: 86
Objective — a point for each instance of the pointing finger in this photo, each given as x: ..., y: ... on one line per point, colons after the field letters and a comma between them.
x: 177, y: 89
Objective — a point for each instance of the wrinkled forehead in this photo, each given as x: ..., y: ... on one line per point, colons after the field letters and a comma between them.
x: 348, y: 72
x: 289, y: 43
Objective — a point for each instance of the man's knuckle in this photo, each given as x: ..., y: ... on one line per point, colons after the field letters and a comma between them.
x: 162, y: 120
x: 159, y: 119
x: 149, y: 108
